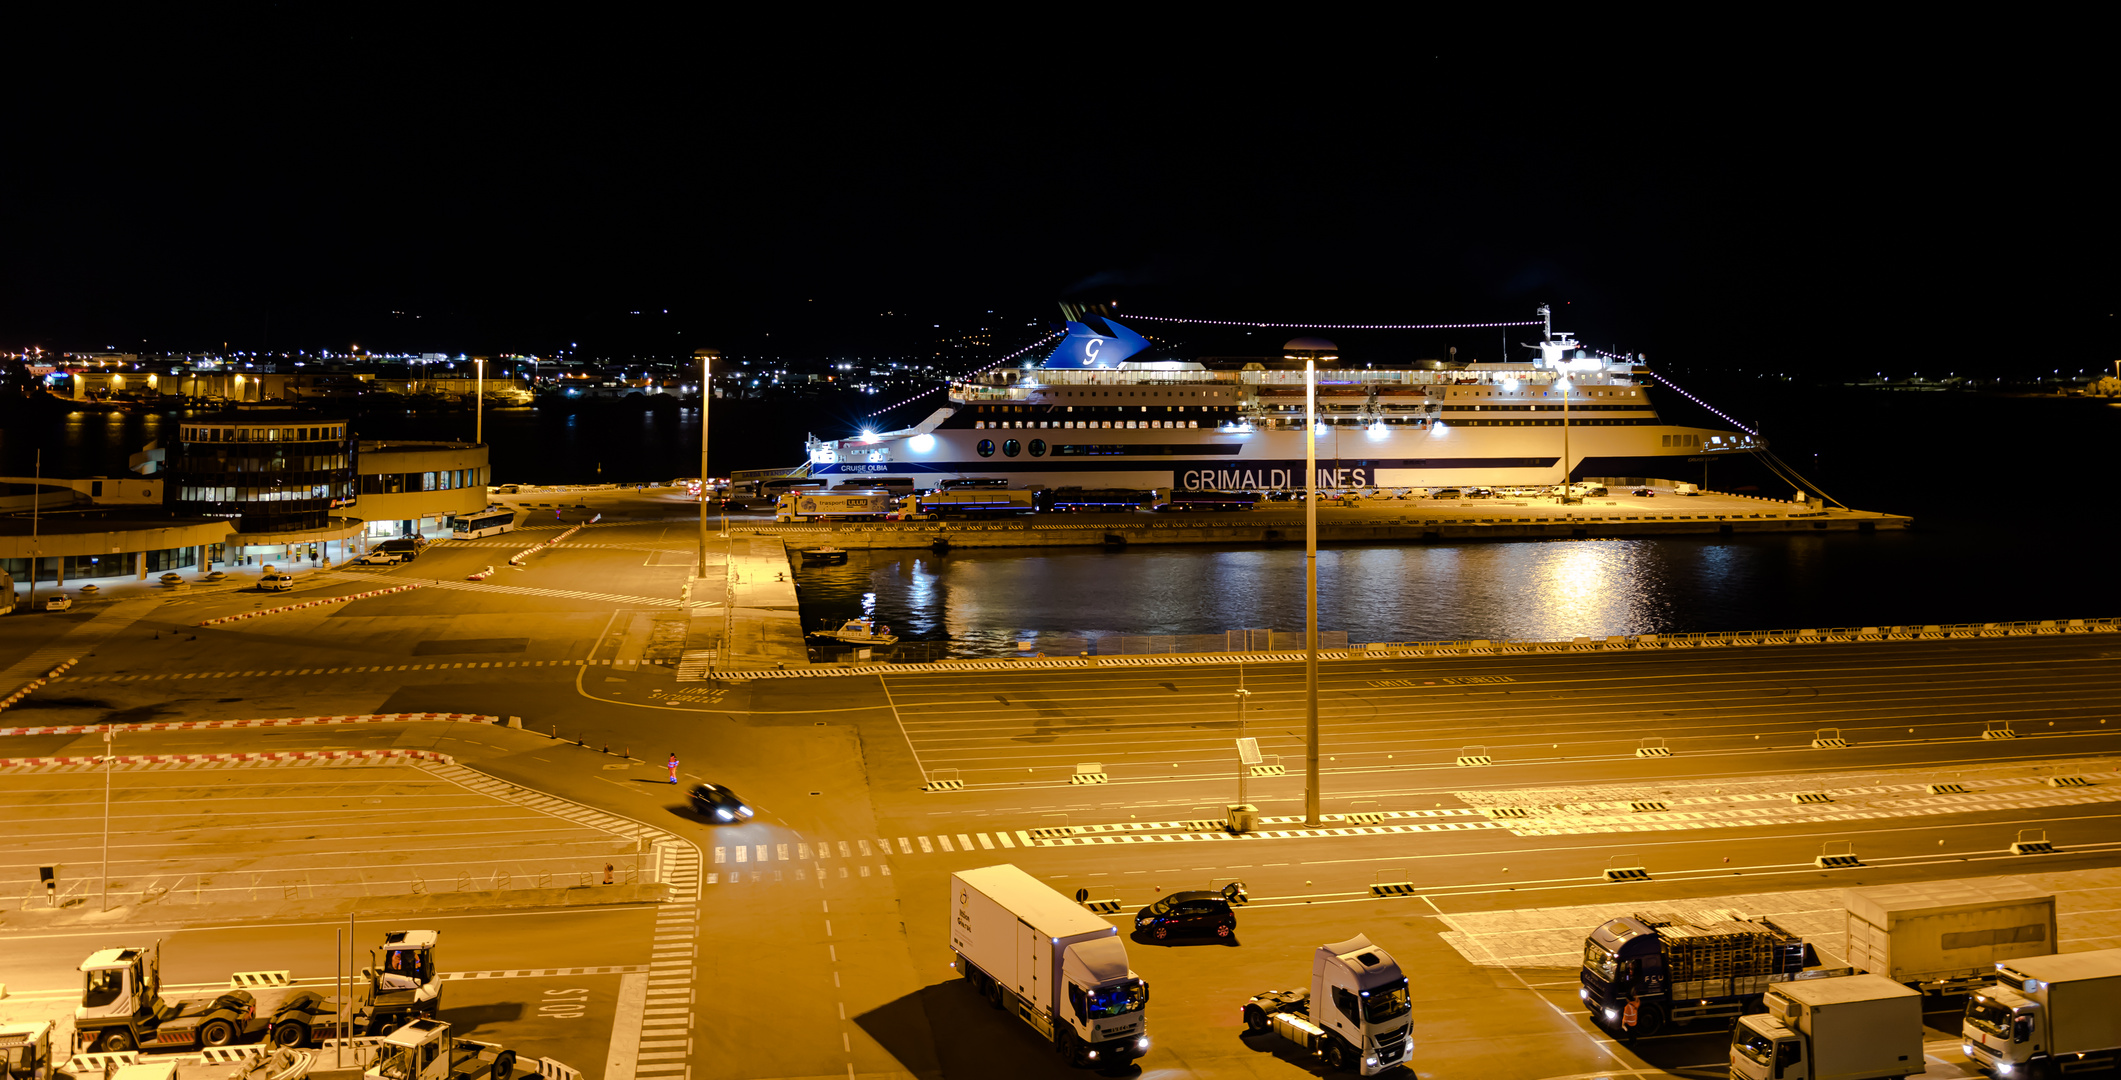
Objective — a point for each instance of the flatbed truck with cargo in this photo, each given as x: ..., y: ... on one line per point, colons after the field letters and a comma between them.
x: 1049, y: 962
x: 1645, y: 970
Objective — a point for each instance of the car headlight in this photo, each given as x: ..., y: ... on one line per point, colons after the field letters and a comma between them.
x: 1142, y: 1044
x: 1584, y: 992
x: 1612, y: 1015
x: 2003, y: 1068
x: 1093, y: 1055
x: 744, y: 810
x: 1370, y: 1061
x: 721, y: 813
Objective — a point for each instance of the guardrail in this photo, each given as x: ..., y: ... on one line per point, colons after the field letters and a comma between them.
x: 517, y: 558
x: 1481, y: 647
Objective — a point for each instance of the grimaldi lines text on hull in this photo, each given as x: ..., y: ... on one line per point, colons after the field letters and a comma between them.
x: 1103, y: 410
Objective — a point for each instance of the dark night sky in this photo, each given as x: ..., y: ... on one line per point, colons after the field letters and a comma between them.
x: 1752, y: 197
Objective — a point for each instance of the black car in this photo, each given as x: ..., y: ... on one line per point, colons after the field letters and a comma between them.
x: 719, y: 803
x: 1195, y: 912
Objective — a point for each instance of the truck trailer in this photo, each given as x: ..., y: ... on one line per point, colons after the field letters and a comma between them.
x: 1050, y: 962
x: 1946, y: 937
x: 2056, y: 1015
x: 1644, y: 970
x: 1856, y: 1027
x: 816, y: 506
x: 1365, y: 1030
x: 965, y: 502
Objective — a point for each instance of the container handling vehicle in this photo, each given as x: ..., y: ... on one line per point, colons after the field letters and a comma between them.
x: 422, y: 1049
x: 1365, y: 1030
x: 123, y: 1007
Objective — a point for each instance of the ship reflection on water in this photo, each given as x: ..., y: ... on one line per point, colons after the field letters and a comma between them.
x: 984, y: 603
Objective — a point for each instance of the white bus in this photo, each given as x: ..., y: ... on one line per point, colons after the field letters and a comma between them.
x: 493, y: 519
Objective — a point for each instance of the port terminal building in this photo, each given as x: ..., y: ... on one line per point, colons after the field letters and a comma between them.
x: 242, y: 486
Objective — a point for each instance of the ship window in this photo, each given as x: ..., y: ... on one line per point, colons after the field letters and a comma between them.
x: 1038, y: 448
x: 1012, y: 447
x: 986, y: 448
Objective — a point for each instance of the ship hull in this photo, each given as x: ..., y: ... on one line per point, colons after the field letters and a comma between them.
x: 1273, y: 459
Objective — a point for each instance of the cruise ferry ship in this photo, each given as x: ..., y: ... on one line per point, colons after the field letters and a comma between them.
x: 1104, y: 410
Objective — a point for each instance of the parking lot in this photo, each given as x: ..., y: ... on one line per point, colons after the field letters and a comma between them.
x: 206, y: 836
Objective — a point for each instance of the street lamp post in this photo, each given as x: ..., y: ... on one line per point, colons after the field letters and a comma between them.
x: 479, y: 428
x: 1562, y: 384
x: 1311, y: 817
x: 707, y: 478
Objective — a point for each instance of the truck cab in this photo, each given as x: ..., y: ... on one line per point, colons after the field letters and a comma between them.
x: 406, y: 981
x: 1622, y: 960
x: 1362, y: 996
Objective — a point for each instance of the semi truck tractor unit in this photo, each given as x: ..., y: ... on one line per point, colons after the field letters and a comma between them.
x: 1946, y: 937
x: 965, y: 503
x: 122, y: 1006
x: 1643, y: 971
x: 1363, y: 1025
x: 1856, y: 1027
x: 2047, y: 1016
x: 1051, y: 963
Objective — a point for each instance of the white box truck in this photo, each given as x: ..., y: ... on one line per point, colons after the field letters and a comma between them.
x: 1857, y: 1027
x: 2047, y: 1016
x: 1045, y: 958
x: 1946, y: 937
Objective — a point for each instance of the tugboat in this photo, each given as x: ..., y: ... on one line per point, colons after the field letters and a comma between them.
x: 861, y: 632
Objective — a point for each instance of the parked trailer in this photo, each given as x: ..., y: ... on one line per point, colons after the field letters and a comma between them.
x: 815, y: 506
x: 1857, y: 1027
x: 1076, y: 499
x: 1049, y: 962
x: 1182, y: 501
x: 1946, y: 937
x: 965, y: 502
x: 1365, y: 1029
x: 2056, y: 1015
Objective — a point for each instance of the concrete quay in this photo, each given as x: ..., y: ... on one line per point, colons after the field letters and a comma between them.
x: 1361, y: 520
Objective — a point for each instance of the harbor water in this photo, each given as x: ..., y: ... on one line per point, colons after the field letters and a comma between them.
x: 2014, y: 501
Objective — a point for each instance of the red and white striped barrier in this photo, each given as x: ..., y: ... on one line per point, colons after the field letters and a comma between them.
x: 308, y: 604
x: 33, y: 684
x: 274, y: 757
x: 284, y: 721
x: 480, y: 576
x: 517, y: 558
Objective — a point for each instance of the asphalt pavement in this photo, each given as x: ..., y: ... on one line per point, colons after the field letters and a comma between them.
x: 836, y: 909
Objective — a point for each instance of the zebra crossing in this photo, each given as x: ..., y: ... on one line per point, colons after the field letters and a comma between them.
x: 1586, y: 813
x: 663, y: 1043
x: 563, y: 594
x: 665, y: 1039
x: 265, y: 673
x: 799, y: 859
x: 572, y: 545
